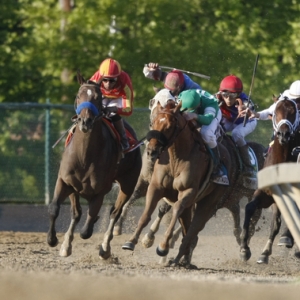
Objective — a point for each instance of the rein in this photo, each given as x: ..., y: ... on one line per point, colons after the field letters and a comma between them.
x: 161, y: 138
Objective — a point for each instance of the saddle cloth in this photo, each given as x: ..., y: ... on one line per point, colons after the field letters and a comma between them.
x: 132, y: 141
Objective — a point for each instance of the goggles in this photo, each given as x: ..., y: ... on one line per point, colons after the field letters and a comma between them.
x: 229, y: 95
x: 111, y: 80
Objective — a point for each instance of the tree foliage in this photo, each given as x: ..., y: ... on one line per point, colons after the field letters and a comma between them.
x: 42, y: 45
x: 218, y: 37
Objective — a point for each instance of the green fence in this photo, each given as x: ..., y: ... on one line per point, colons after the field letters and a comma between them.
x: 29, y: 164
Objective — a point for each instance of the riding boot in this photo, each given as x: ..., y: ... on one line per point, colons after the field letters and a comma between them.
x: 119, y: 125
x: 218, y: 176
x: 248, y: 169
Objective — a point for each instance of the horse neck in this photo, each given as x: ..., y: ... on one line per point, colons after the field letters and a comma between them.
x: 90, y: 143
x: 183, y: 145
x: 279, y: 153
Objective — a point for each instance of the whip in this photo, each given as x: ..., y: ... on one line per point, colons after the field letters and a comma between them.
x: 193, y: 73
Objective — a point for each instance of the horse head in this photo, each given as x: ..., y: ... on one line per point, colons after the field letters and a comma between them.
x: 167, y: 123
x: 88, y: 104
x: 285, y: 120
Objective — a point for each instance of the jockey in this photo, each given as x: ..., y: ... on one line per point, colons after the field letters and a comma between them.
x: 175, y: 81
x: 232, y: 102
x: 117, y: 91
x: 203, y: 108
x: 293, y: 94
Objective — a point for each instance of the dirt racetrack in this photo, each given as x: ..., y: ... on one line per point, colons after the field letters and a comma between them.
x: 31, y: 270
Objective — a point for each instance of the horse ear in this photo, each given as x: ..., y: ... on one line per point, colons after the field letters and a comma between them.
x: 275, y: 98
x: 80, y: 78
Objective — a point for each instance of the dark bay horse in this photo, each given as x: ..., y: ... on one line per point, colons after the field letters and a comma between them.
x: 90, y: 164
x: 287, y: 137
x: 181, y: 174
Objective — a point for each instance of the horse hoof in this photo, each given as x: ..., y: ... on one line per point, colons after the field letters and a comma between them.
x: 147, y: 242
x: 104, y: 254
x: 285, y: 241
x: 172, y: 264
x: 161, y: 252
x: 52, y: 242
x: 128, y: 246
x: 65, y: 252
x: 86, y: 233
x: 245, y: 254
x: 264, y: 259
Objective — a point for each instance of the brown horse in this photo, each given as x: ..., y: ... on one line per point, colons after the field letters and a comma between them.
x: 90, y: 164
x: 287, y: 137
x: 181, y: 174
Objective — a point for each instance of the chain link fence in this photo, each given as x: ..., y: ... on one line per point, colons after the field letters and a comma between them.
x: 29, y: 164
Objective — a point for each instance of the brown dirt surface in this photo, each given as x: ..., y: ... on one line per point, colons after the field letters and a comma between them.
x: 30, y: 269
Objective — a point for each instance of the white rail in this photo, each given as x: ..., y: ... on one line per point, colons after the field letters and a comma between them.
x: 284, y: 182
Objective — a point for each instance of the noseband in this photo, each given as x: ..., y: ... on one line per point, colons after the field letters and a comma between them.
x: 161, y: 138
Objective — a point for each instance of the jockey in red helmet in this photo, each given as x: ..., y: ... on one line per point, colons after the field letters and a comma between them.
x: 117, y: 91
x: 175, y: 81
x: 232, y: 102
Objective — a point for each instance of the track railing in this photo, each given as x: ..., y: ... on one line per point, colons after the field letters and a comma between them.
x: 284, y: 182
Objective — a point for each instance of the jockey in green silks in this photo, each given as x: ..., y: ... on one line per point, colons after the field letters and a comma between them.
x: 202, y: 107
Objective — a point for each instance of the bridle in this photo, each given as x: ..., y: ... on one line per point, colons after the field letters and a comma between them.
x: 292, y: 126
x: 96, y: 110
x: 160, y: 137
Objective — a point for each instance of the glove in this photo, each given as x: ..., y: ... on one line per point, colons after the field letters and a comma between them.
x: 153, y: 65
x: 152, y: 71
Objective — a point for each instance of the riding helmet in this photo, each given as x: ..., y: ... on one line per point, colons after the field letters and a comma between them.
x: 174, y: 80
x: 110, y: 68
x: 294, y: 91
x: 190, y: 100
x: 231, y: 84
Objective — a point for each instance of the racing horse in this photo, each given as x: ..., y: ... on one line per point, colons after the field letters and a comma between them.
x: 181, y: 174
x: 286, y: 138
x: 92, y: 161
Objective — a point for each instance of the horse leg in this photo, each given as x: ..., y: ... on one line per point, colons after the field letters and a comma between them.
x: 235, y: 212
x: 250, y: 211
x: 180, y: 209
x: 185, y: 221
x: 149, y: 237
x: 286, y: 239
x: 152, y: 198
x: 76, y: 212
x: 275, y: 226
x: 61, y: 192
x: 202, y: 214
x: 139, y: 191
x: 175, y: 236
x: 92, y: 216
x: 245, y: 252
x: 126, y: 190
